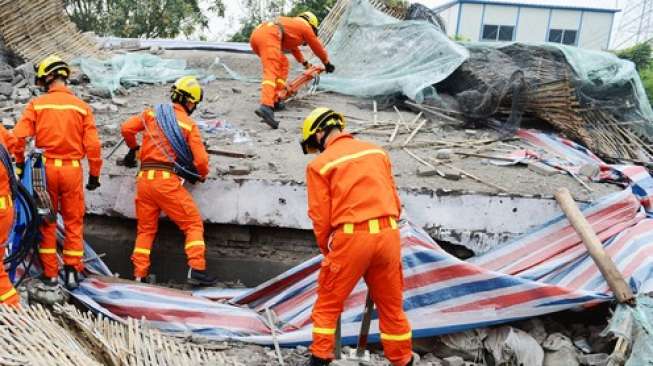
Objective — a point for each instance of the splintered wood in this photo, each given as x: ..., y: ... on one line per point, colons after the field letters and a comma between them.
x: 37, y: 29
x: 36, y: 336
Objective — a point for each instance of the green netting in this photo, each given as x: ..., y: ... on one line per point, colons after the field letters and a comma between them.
x: 636, y: 325
x: 131, y: 69
x: 376, y: 54
x: 603, y: 75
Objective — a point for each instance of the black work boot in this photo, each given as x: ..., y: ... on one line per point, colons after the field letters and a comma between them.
x: 279, y: 106
x: 71, y: 278
x: 200, y: 278
x: 49, y: 281
x: 316, y: 361
x: 267, y: 114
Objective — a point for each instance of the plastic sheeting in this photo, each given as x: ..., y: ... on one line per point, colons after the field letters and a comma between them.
x: 132, y: 69
x: 376, y: 54
x: 636, y: 325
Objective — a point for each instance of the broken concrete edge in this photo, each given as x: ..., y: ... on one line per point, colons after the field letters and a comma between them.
x: 476, y: 220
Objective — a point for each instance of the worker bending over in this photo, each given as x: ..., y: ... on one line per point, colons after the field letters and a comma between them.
x: 354, y: 206
x: 8, y: 294
x: 64, y: 129
x: 159, y: 186
x: 269, y: 41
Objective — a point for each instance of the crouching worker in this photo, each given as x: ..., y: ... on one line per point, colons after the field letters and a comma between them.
x: 8, y: 294
x: 171, y: 152
x: 354, y: 206
x: 63, y: 127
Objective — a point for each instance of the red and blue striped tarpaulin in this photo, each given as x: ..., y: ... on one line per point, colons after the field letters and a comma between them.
x: 544, y: 271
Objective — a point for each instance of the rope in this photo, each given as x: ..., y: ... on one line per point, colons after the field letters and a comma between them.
x: 167, y: 122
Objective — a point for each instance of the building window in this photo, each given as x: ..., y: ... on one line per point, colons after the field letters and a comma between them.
x: 497, y: 32
x: 564, y: 36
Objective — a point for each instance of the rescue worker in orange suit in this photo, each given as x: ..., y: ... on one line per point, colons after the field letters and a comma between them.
x: 8, y: 294
x: 159, y: 188
x: 64, y: 129
x: 354, y: 206
x: 269, y: 41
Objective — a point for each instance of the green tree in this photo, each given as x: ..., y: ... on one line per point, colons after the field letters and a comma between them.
x: 639, y: 54
x: 257, y: 14
x: 140, y: 18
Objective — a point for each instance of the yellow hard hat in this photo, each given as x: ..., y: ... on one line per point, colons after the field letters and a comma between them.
x: 319, y: 119
x: 311, y: 19
x: 188, y: 87
x: 52, y: 64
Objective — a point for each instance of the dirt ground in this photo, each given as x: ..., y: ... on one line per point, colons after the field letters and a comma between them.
x: 278, y: 155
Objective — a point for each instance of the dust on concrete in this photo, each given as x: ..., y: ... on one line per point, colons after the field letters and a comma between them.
x: 278, y: 155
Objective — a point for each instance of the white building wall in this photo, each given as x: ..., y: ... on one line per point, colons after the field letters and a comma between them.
x: 565, y: 19
x: 595, y: 30
x: 450, y: 18
x: 500, y: 15
x: 532, y: 25
x: 471, y: 17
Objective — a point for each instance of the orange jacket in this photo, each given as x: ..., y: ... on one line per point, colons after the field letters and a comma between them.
x: 151, y: 150
x: 64, y: 127
x: 350, y: 182
x: 297, y: 31
x: 9, y: 142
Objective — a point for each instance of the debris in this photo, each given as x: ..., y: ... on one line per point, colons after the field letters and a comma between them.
x: 590, y: 170
x: 239, y: 170
x: 21, y: 95
x: 425, y: 171
x: 541, y: 168
x: 444, y: 154
x: 119, y: 101
x: 236, y: 91
x: 453, y: 361
x: 415, y: 131
x: 99, y: 92
x: 513, y: 346
x: 230, y: 153
x: 156, y: 50
x: 6, y: 89
x: 559, y: 351
x: 495, y: 186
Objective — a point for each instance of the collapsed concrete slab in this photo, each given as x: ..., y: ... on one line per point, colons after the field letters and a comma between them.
x: 479, y: 221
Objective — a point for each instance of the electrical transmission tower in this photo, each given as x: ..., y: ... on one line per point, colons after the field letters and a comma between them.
x: 636, y: 24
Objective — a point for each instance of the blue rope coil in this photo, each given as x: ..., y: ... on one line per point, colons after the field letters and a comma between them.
x: 167, y: 122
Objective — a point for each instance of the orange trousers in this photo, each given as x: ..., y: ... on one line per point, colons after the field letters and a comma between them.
x: 65, y: 183
x: 8, y: 294
x: 376, y: 257
x: 266, y: 43
x: 158, y: 191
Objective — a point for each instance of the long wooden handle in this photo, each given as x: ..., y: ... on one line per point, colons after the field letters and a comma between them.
x: 607, y: 267
x: 365, y: 326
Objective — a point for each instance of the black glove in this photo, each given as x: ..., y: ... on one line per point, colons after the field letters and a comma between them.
x: 130, y: 159
x: 93, y: 183
x: 329, y: 68
x: 306, y: 65
x: 20, y: 170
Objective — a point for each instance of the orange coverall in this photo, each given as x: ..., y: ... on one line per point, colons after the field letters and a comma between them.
x: 160, y: 190
x: 269, y: 44
x: 8, y: 294
x: 64, y: 128
x: 353, y: 203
